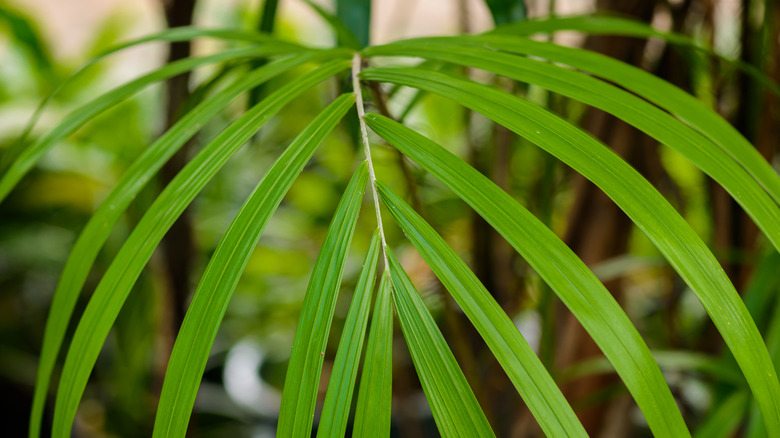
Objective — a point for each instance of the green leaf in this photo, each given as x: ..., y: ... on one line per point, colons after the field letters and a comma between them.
x: 590, y: 24
x: 199, y: 329
x: 605, y: 24
x: 344, y: 35
x: 97, y: 230
x: 647, y: 117
x: 175, y: 34
x: 763, y: 284
x: 113, y: 289
x: 516, y: 357
x: 24, y: 31
x: 24, y: 156
x: 681, y: 104
x: 567, y: 275
x: 356, y: 16
x: 303, y: 373
x: 268, y: 17
x: 668, y: 361
x: 684, y: 250
x: 507, y: 11
x: 725, y: 418
x: 338, y: 398
x: 452, y: 401
x: 372, y: 413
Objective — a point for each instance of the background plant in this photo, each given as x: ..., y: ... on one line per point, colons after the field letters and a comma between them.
x: 514, y: 266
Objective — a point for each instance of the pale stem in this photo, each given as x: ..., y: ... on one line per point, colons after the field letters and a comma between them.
x: 356, y: 64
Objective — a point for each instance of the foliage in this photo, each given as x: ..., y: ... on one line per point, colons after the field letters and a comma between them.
x: 287, y: 71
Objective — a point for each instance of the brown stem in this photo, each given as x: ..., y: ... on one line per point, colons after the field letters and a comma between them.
x: 178, y: 244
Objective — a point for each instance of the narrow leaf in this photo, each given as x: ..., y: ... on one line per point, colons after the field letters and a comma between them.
x: 103, y: 307
x: 685, y: 361
x: 344, y: 36
x: 668, y: 130
x: 452, y: 401
x: 566, y: 274
x: 338, y: 398
x: 356, y: 16
x: 184, y: 33
x: 303, y: 373
x: 199, y: 329
x: 647, y: 208
x: 521, y: 364
x: 725, y: 418
x: 507, y: 11
x: 18, y: 161
x: 372, y: 413
x: 656, y: 90
x: 97, y: 230
x: 604, y: 24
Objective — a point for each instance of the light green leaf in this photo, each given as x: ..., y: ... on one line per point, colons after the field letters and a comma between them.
x: 452, y: 401
x: 684, y: 106
x: 648, y: 118
x: 19, y: 160
x: 344, y: 35
x: 338, y: 398
x: 113, y: 289
x: 521, y: 364
x: 566, y: 274
x: 604, y: 24
x: 684, y: 250
x: 97, y: 230
x: 199, y: 329
x: 303, y: 373
x: 372, y: 413
x: 185, y: 33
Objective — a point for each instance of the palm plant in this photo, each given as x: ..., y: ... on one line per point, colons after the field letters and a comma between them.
x: 664, y: 112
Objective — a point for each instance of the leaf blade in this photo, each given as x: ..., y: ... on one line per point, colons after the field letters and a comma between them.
x: 566, y: 274
x: 452, y: 401
x: 22, y: 158
x: 303, y: 373
x: 209, y: 303
x: 338, y: 398
x: 647, y: 208
x: 516, y: 357
x: 665, y: 128
x: 97, y: 230
x: 113, y: 289
x: 374, y: 403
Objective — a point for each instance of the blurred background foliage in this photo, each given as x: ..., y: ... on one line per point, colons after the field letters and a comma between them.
x: 43, y: 42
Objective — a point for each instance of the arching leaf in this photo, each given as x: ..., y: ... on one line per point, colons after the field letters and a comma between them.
x: 113, y: 289
x: 199, y: 329
x: 338, y: 398
x: 452, y: 401
x: 521, y: 364
x: 684, y: 250
x: 566, y: 274
x: 303, y: 373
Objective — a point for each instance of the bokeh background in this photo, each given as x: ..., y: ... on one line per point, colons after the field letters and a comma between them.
x: 43, y: 41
